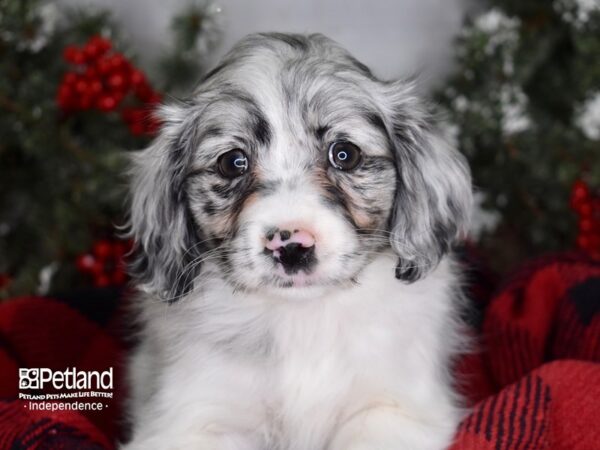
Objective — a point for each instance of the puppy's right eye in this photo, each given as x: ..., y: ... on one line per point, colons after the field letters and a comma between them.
x: 233, y: 164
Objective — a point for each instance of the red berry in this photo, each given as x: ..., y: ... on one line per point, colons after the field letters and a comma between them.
x: 103, y: 65
x: 62, y: 102
x: 81, y: 86
x: 580, y: 190
x: 73, y: 55
x: 106, y: 103
x: 584, y: 209
x: 91, y: 51
x: 86, y: 102
x: 585, y: 225
x: 127, y: 114
x: 117, y: 82
x: 579, y: 195
x: 102, y: 249
x: 91, y: 73
x: 118, y: 95
x: 583, y: 241
x: 85, y: 262
x: 101, y: 43
x: 64, y: 97
x: 96, y: 87
x: 79, y: 58
x: 102, y: 280
x: 119, y: 277
x: 69, y: 78
x: 144, y: 92
x: 68, y: 52
x: 98, y: 268
x: 137, y: 128
x: 120, y: 249
x: 117, y: 62
x: 131, y: 115
x: 137, y: 78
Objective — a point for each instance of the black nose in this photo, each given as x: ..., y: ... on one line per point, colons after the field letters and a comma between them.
x: 294, y: 257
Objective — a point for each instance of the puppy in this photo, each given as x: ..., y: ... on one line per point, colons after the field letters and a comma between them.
x: 293, y: 222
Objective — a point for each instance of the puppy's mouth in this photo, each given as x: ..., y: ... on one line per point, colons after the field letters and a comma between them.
x: 297, y: 280
x: 304, y: 280
x: 291, y: 268
x: 300, y: 286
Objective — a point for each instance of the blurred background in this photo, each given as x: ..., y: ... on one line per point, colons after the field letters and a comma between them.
x: 392, y: 37
x: 518, y: 82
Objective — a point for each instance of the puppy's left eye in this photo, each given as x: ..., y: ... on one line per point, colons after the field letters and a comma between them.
x: 344, y: 155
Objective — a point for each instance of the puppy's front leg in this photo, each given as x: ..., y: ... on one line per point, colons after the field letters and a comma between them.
x: 167, y: 440
x: 211, y: 405
x: 391, y: 428
x: 195, y: 423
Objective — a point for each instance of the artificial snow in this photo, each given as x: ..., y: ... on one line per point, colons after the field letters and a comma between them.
x: 588, y: 119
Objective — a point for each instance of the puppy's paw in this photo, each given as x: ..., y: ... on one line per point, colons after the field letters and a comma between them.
x: 388, y: 428
x: 395, y: 443
x: 193, y: 442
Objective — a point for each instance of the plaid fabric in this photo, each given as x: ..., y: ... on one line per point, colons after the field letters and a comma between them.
x: 534, y: 384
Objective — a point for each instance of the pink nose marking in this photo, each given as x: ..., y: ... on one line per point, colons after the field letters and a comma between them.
x: 281, y: 238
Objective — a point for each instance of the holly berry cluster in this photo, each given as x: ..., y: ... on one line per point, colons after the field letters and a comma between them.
x: 103, y: 79
x: 105, y: 264
x: 587, y: 207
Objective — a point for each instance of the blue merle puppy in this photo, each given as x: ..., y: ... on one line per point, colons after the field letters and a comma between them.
x: 293, y: 225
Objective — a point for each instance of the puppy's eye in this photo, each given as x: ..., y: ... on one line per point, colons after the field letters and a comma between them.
x: 344, y: 155
x: 233, y: 164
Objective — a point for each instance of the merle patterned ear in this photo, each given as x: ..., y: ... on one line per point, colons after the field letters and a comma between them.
x: 433, y: 193
x: 167, y: 240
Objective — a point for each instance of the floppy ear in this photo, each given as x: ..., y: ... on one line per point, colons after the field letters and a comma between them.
x: 433, y: 193
x: 167, y: 240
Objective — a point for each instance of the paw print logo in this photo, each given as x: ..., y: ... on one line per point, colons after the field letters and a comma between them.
x: 29, y: 378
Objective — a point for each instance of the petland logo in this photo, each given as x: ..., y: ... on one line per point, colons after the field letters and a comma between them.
x: 70, y: 378
x: 67, y: 390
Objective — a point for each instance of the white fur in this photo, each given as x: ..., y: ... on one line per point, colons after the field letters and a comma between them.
x: 357, y: 368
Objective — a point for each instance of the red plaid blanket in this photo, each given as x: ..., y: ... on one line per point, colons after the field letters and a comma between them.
x: 535, y: 384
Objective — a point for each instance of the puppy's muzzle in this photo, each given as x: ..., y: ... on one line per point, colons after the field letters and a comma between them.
x: 293, y: 249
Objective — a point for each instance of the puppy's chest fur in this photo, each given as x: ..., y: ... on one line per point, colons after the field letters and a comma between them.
x: 293, y: 371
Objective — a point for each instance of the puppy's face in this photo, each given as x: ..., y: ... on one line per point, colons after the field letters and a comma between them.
x: 291, y: 167
x: 293, y: 180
